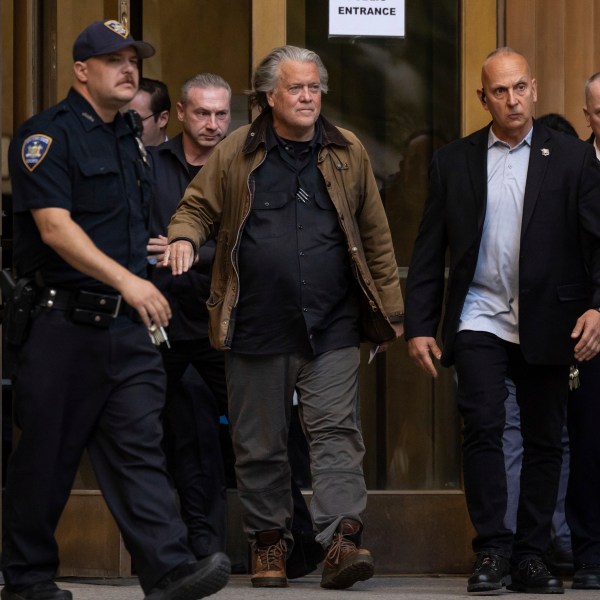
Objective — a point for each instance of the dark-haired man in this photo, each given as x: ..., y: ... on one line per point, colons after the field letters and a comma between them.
x: 153, y: 104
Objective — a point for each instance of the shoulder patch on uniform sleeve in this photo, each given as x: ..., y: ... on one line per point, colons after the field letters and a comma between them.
x: 35, y: 148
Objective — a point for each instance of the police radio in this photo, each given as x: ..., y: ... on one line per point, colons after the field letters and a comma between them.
x: 134, y: 121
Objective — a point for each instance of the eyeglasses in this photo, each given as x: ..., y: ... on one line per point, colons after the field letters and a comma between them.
x: 146, y: 118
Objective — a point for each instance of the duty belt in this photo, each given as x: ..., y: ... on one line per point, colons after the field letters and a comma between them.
x: 87, y: 308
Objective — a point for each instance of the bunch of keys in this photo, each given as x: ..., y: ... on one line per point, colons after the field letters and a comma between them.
x: 158, y: 335
x: 573, y: 377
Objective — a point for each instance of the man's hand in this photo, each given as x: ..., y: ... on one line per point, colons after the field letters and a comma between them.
x: 142, y: 295
x: 587, y: 329
x: 156, y: 249
x: 420, y: 350
x: 180, y: 256
x: 72, y: 243
x: 399, y: 330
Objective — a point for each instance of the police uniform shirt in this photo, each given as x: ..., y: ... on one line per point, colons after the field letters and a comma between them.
x: 67, y: 157
x: 297, y: 291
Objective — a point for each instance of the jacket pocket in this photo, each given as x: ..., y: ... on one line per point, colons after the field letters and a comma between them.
x: 573, y: 291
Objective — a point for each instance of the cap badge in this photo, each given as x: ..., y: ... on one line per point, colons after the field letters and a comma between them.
x: 117, y: 27
x: 35, y: 148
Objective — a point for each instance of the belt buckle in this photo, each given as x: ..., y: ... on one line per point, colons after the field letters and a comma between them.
x: 115, y: 313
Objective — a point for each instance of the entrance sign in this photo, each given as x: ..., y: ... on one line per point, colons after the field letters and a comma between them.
x: 373, y: 18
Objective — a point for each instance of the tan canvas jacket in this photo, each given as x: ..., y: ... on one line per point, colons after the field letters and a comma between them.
x: 218, y: 201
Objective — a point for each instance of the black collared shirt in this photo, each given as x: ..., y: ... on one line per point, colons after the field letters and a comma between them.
x: 297, y: 292
x: 186, y: 293
x: 67, y: 157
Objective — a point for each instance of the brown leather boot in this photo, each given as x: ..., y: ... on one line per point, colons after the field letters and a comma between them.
x: 268, y: 558
x: 345, y: 563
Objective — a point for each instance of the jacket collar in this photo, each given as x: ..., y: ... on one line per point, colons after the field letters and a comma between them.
x: 173, y: 146
x: 541, y: 149
x: 257, y: 134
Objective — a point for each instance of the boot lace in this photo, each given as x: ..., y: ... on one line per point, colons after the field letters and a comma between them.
x: 271, y: 556
x: 487, y: 561
x: 339, y: 548
x: 534, y: 567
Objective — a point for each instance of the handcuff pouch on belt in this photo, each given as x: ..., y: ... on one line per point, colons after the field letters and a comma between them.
x: 99, y: 310
x: 83, y: 307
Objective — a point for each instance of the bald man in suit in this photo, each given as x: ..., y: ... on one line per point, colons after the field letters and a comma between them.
x: 517, y: 207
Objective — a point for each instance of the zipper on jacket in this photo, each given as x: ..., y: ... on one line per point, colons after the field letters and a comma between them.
x: 235, y: 247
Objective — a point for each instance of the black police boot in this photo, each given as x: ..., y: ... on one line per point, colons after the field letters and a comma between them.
x: 46, y: 590
x: 490, y: 572
x: 587, y: 577
x: 193, y: 580
x: 532, y: 576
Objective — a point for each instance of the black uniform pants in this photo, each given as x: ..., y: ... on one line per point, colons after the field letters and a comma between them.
x: 483, y: 361
x: 583, y: 494
x: 81, y: 387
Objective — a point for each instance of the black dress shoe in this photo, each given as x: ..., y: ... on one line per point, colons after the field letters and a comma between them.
x: 587, y: 577
x: 46, y: 590
x: 532, y: 576
x: 193, y: 580
x: 490, y: 572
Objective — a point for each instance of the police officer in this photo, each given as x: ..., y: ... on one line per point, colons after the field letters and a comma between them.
x: 88, y: 375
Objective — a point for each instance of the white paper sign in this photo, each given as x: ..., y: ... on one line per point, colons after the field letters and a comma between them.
x: 381, y: 18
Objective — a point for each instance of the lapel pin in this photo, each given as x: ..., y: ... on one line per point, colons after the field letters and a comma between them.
x: 545, y: 152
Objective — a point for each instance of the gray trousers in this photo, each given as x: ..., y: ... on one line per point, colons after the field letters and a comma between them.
x: 260, y: 392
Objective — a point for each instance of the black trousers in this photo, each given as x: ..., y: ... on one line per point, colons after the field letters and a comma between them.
x: 192, y: 441
x: 81, y: 387
x: 483, y: 361
x: 583, y: 494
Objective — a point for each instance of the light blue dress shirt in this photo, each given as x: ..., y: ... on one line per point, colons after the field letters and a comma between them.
x: 492, y: 303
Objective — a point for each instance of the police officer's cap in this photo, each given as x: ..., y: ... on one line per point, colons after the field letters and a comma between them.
x: 105, y: 37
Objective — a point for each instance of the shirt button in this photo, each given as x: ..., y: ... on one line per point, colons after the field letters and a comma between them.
x: 267, y: 204
x: 301, y: 253
x: 304, y: 282
x: 305, y: 309
x: 300, y: 226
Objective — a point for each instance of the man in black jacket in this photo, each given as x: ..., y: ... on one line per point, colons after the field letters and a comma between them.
x: 583, y: 494
x: 515, y: 204
x: 191, y: 424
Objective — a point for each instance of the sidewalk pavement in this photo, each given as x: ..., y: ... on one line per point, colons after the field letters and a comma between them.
x: 307, y: 588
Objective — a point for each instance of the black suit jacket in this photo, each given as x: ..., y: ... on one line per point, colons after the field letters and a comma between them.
x: 559, y: 261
